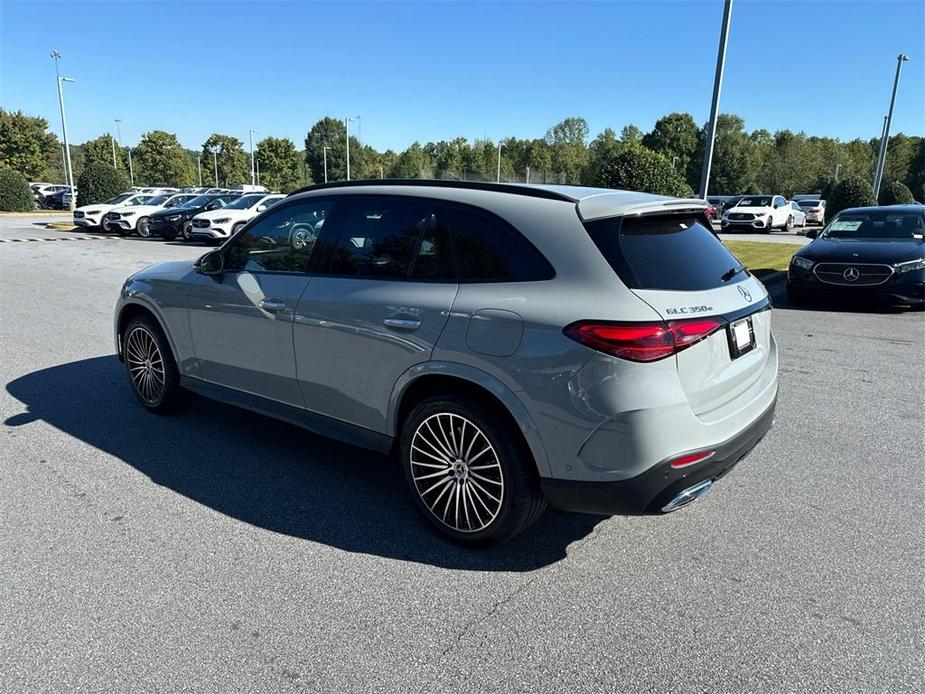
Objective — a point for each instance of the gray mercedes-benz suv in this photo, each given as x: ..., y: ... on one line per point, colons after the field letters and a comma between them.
x: 512, y: 344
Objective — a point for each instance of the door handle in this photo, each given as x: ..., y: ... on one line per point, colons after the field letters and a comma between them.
x: 272, y: 305
x: 402, y: 323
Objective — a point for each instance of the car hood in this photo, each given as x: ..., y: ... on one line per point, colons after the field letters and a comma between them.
x: 102, y: 207
x: 186, y: 211
x: 139, y: 209
x: 750, y: 210
x: 169, y: 270
x: 219, y: 214
x: 873, y: 251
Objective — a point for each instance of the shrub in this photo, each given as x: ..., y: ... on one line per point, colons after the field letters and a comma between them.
x: 99, y: 182
x: 638, y: 168
x: 15, y: 195
x: 849, y: 192
x: 895, y: 193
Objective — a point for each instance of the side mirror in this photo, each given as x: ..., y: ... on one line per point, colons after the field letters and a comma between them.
x: 261, y: 208
x: 211, y: 206
x: 812, y: 233
x: 212, y: 263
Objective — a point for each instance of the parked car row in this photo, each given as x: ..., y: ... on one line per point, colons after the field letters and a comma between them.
x: 210, y: 217
x: 50, y: 196
x: 767, y: 212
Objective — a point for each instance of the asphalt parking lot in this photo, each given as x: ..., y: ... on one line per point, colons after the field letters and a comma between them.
x: 219, y: 550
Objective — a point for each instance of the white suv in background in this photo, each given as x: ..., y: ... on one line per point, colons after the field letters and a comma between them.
x: 218, y: 225
x: 759, y: 212
x: 134, y: 217
x: 92, y: 215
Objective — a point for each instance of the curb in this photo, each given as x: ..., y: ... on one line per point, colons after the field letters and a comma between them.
x: 37, y: 213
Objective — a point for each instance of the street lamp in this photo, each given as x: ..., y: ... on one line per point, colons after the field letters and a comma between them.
x: 215, y: 149
x: 253, y: 160
x: 881, y: 158
x: 115, y: 164
x: 714, y: 108
x: 56, y: 55
x: 500, y: 144
x: 199, y: 168
x: 347, y: 129
x: 324, y: 151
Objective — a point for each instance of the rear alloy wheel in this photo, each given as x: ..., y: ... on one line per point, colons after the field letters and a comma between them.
x: 789, y: 225
x: 149, y: 364
x: 187, y: 232
x: 236, y: 228
x: 467, y: 473
x: 142, y: 228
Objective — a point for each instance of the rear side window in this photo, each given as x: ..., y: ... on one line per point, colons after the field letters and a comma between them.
x: 672, y: 252
x: 488, y: 250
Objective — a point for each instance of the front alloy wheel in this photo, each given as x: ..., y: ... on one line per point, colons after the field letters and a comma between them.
x: 456, y: 472
x: 143, y: 230
x: 145, y: 364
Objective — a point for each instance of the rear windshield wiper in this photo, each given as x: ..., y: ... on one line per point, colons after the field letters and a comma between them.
x: 729, y: 274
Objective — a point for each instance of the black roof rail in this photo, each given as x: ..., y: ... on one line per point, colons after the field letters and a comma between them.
x: 516, y: 189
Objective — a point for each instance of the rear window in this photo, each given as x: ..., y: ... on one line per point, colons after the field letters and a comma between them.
x: 808, y: 203
x: 673, y: 252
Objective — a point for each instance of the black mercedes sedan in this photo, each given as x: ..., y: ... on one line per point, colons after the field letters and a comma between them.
x: 173, y: 222
x: 864, y: 252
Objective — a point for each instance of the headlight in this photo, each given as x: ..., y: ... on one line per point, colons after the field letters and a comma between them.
x: 128, y: 214
x: 173, y: 217
x: 802, y: 262
x: 223, y: 220
x: 92, y: 212
x: 910, y: 266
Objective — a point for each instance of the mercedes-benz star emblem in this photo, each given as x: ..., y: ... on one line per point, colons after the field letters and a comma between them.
x: 745, y: 293
x: 851, y: 274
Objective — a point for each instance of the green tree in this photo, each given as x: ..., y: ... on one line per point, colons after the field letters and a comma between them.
x: 234, y: 165
x: 675, y: 137
x: 24, y: 146
x: 161, y: 160
x: 569, y: 143
x: 412, y: 163
x: 630, y: 133
x: 99, y: 151
x: 640, y: 169
x: 280, y: 165
x: 852, y: 191
x: 99, y: 182
x: 330, y: 132
x: 734, y: 154
x: 604, y: 148
x: 15, y: 195
x: 895, y: 193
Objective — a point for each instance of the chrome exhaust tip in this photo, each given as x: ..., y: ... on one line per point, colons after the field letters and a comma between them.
x: 688, y: 496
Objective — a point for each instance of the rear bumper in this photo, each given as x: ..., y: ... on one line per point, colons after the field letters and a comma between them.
x: 652, y: 490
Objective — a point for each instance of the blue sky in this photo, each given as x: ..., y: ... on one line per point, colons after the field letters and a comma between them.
x: 429, y: 71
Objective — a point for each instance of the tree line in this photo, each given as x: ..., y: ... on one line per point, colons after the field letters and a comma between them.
x: 665, y: 160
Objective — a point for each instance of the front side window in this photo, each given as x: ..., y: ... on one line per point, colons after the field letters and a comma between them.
x: 389, y: 237
x: 245, y: 202
x: 281, y: 241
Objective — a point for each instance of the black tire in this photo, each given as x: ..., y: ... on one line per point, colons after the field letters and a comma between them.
x: 236, y: 228
x: 505, y: 465
x: 788, y: 225
x: 187, y: 231
x: 142, y: 228
x: 162, y: 395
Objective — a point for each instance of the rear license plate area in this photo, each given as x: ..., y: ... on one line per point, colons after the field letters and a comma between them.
x: 741, y: 337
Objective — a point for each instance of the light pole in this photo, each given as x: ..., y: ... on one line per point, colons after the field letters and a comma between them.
x: 56, y: 54
x: 115, y: 164
x: 112, y: 141
x: 253, y: 179
x: 215, y: 149
x: 257, y: 165
x: 714, y: 109
x: 131, y: 171
x: 837, y: 169
x: 881, y: 159
x: 198, y: 167
x: 324, y: 151
x: 347, y: 130
x: 498, y: 179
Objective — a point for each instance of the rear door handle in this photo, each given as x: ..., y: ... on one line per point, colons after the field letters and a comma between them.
x: 272, y: 305
x: 402, y: 323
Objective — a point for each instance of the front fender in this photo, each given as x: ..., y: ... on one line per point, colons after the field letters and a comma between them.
x: 131, y: 297
x: 480, y: 378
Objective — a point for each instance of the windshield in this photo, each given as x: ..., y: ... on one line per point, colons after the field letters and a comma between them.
x: 760, y: 201
x: 245, y: 202
x: 179, y: 200
x: 159, y: 200
x: 877, y: 225
x: 119, y: 199
x: 808, y: 203
x: 198, y: 201
x: 139, y: 200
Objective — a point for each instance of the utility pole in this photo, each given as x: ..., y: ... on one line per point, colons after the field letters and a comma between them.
x: 498, y: 178
x: 56, y: 55
x: 131, y: 172
x: 324, y: 151
x: 527, y: 177
x: 714, y: 109
x: 215, y: 149
x: 257, y: 163
x: 253, y: 159
x: 881, y: 158
x: 198, y: 167
x: 119, y: 139
x: 347, y: 130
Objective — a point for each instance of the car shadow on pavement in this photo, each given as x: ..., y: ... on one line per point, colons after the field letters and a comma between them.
x: 778, y: 292
x: 268, y: 473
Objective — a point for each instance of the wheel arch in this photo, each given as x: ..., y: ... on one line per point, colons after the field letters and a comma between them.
x: 132, y: 309
x: 423, y: 380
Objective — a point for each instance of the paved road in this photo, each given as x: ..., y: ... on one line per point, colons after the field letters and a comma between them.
x: 221, y: 551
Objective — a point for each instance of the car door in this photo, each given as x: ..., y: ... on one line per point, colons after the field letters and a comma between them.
x: 781, y: 211
x: 377, y: 310
x: 241, y: 320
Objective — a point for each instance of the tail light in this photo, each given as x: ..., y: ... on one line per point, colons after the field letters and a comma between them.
x: 685, y: 460
x: 642, y: 342
x: 816, y: 209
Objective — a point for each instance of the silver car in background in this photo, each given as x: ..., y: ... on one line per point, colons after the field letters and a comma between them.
x: 511, y: 345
